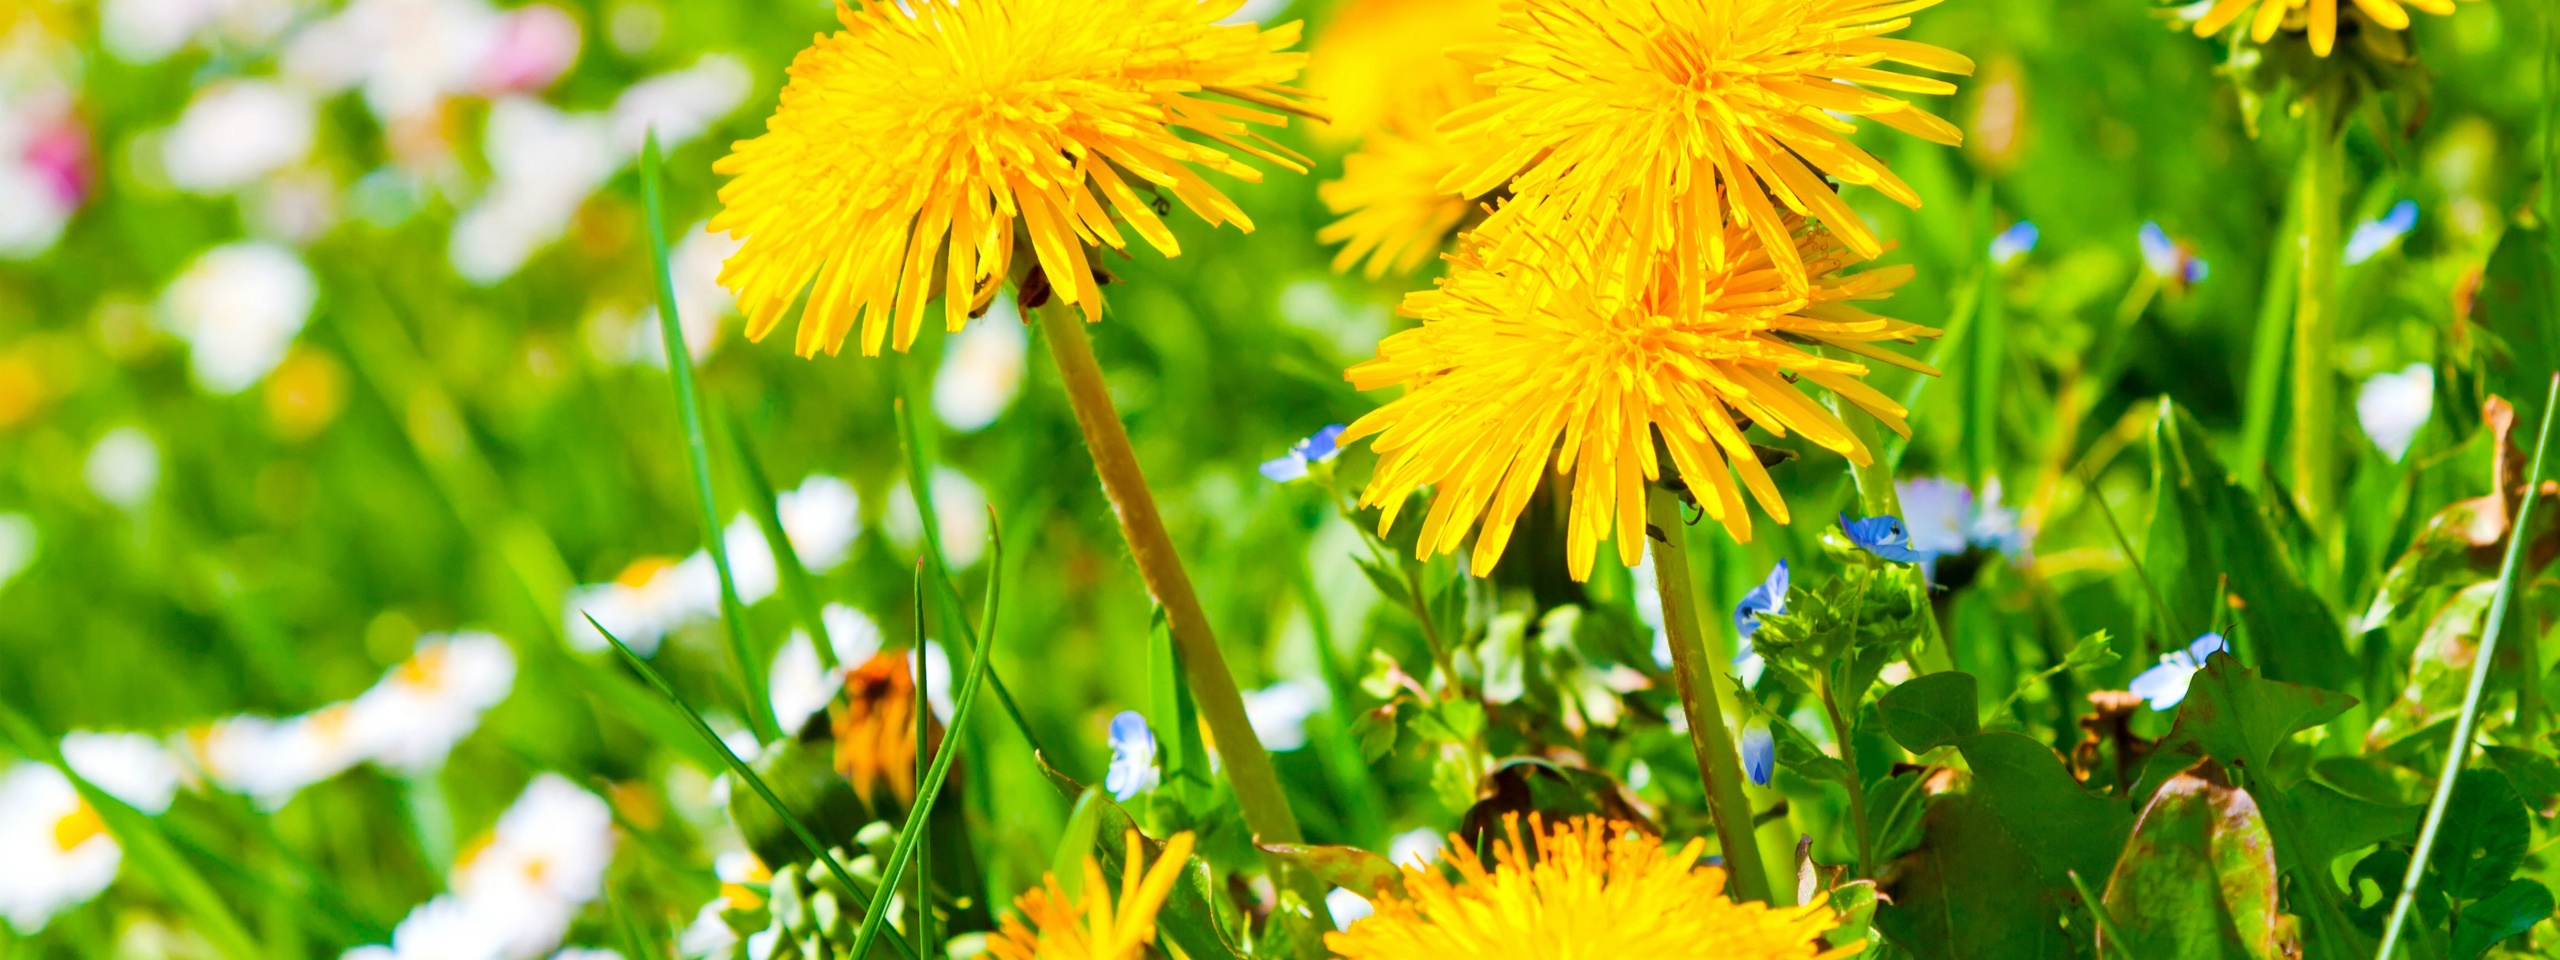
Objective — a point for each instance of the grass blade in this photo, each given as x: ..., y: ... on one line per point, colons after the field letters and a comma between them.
x: 2460, y: 750
x: 2106, y: 924
x: 2168, y: 618
x: 796, y: 583
x: 946, y: 594
x: 923, y: 825
x: 930, y: 788
x: 747, y: 774
x: 759, y: 708
x: 151, y: 850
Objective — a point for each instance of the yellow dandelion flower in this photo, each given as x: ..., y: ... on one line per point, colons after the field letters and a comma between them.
x: 1589, y: 890
x: 911, y: 146
x: 1375, y: 54
x: 1091, y: 928
x: 2318, y: 17
x: 1392, y: 210
x: 1512, y: 370
x: 1643, y: 121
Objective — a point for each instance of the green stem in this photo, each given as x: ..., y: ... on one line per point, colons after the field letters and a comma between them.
x: 2318, y: 186
x: 1847, y: 739
x: 2460, y: 750
x: 2267, y: 354
x: 1876, y: 498
x: 1701, y: 699
x: 796, y: 582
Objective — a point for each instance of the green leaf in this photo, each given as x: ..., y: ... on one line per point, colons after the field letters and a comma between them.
x: 2486, y: 832
x: 1991, y: 877
x: 2535, y: 777
x: 2235, y: 716
x: 2203, y: 527
x: 1075, y: 843
x: 1350, y: 868
x: 2093, y: 651
x: 2062, y: 825
x: 1931, y: 710
x: 2514, y: 909
x: 2198, y: 877
x: 1377, y: 732
x: 2513, y: 305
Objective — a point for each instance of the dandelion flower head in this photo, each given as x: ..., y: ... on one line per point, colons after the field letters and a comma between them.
x: 1374, y: 56
x: 1589, y: 890
x: 911, y: 147
x: 1391, y: 208
x: 1054, y: 926
x: 2318, y: 18
x: 1647, y: 122
x: 1511, y: 371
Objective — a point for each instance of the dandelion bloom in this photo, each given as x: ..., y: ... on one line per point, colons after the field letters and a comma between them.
x: 2318, y: 17
x: 1502, y: 379
x: 1589, y: 889
x: 1647, y: 122
x: 910, y: 147
x: 1391, y: 208
x: 876, y: 731
x: 1374, y: 56
x: 1091, y: 927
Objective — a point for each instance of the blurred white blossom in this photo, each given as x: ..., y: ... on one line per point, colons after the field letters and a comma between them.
x: 545, y: 162
x: 2392, y: 407
x: 680, y: 104
x: 960, y: 506
x: 982, y: 368
x: 17, y: 545
x: 236, y: 131
x: 821, y: 518
x: 239, y: 306
x: 56, y: 849
x: 1279, y: 712
x: 514, y: 894
x: 137, y: 769
x: 414, y: 716
x: 124, y: 467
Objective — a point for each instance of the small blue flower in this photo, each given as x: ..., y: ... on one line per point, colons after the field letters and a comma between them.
x: 1769, y: 597
x: 2374, y: 236
x: 1320, y: 447
x: 2017, y: 241
x: 2169, y: 259
x: 2166, y: 684
x: 1133, y: 757
x: 1759, y: 752
x: 1883, y: 536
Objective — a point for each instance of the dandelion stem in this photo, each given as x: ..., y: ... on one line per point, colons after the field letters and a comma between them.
x: 1266, y: 809
x: 2318, y: 184
x: 2459, y: 752
x: 1701, y: 698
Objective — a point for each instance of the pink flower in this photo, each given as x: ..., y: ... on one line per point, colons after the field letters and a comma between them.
x: 534, y: 47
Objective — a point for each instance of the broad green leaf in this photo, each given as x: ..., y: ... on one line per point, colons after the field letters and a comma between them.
x: 1350, y: 868
x: 1931, y: 710
x: 2514, y: 909
x: 2486, y: 832
x: 2535, y: 777
x: 2198, y: 877
x: 2203, y: 527
x: 2238, y: 717
x: 1970, y: 891
x: 2062, y: 826
x: 2513, y: 306
x: 1075, y: 843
